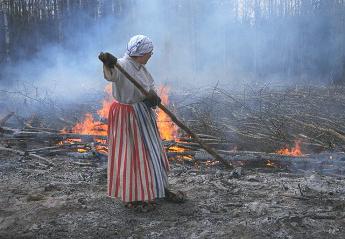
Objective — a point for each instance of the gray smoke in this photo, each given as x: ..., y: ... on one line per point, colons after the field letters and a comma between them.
x: 196, y: 43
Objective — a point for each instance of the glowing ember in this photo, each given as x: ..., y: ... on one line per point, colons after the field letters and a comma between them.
x: 269, y: 163
x: 68, y: 141
x: 102, y: 149
x: 295, y: 151
x: 101, y: 141
x: 176, y: 149
x: 212, y: 162
x: 167, y: 129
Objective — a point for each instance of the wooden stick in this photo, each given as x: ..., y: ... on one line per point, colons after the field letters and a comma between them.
x: 210, y: 150
x: 23, y: 153
x: 3, y: 120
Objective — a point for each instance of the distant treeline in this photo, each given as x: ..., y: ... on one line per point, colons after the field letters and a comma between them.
x: 288, y: 37
x: 27, y: 24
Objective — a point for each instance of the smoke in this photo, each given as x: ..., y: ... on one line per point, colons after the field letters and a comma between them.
x: 67, y: 71
x: 196, y: 43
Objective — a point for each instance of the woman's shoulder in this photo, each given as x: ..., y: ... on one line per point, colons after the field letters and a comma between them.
x: 123, y: 61
x: 125, y: 64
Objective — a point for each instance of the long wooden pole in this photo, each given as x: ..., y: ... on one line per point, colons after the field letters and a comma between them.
x: 176, y: 121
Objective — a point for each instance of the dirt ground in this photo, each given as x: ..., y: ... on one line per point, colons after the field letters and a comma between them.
x: 68, y: 200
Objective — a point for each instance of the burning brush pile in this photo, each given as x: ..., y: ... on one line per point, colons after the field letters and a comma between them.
x: 270, y: 119
x: 87, y: 138
x: 264, y: 128
x: 177, y: 146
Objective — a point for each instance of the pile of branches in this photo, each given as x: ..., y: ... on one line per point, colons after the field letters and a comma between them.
x: 262, y: 119
x: 267, y: 119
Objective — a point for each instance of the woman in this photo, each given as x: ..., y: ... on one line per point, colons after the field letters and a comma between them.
x: 137, y: 163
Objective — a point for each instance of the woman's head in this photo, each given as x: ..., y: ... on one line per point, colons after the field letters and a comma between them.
x: 140, y: 48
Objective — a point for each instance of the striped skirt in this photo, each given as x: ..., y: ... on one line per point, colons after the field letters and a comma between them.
x: 137, y: 163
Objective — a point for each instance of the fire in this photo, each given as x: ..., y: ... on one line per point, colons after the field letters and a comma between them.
x: 166, y: 127
x: 295, y: 151
x: 69, y: 140
x: 102, y: 149
x: 106, y: 102
x: 90, y: 126
x: 81, y: 150
x: 269, y: 163
x: 212, y: 162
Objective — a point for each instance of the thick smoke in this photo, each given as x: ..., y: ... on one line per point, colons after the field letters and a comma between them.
x: 196, y: 43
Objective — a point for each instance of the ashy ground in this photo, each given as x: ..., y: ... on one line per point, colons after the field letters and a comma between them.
x: 68, y: 200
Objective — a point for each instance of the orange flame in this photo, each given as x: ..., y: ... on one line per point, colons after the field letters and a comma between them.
x: 106, y: 102
x: 82, y: 150
x: 69, y: 140
x: 295, y: 151
x: 269, y: 163
x: 90, y: 126
x: 167, y: 129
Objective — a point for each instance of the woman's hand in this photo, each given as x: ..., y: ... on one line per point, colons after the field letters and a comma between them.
x: 108, y: 59
x: 152, y: 100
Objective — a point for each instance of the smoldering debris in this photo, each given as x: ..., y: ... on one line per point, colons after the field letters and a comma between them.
x: 270, y: 118
x: 54, y: 180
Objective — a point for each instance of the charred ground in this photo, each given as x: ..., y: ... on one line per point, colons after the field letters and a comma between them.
x: 68, y: 200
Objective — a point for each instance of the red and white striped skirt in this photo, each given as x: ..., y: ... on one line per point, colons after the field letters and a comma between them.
x: 137, y: 163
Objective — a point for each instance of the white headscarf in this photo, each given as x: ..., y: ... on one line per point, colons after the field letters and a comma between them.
x: 139, y: 45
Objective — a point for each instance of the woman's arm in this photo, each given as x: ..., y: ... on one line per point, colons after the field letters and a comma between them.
x: 109, y: 69
x: 110, y: 74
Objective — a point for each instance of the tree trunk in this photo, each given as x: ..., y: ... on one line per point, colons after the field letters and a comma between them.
x: 7, y: 38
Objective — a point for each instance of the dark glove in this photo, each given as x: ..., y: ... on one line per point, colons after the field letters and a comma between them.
x: 108, y: 59
x: 152, y: 100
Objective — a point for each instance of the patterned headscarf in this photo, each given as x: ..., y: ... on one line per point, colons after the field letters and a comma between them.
x: 139, y: 45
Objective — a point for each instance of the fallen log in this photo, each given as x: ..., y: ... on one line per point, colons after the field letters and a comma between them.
x: 206, y: 140
x: 83, y: 137
x: 180, y: 154
x: 324, y: 130
x: 187, y: 146
x: 88, y: 155
x: 47, y: 149
x: 6, y: 130
x: 206, y: 136
x: 41, y: 135
x: 40, y: 129
x: 23, y: 153
x: 37, y: 135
